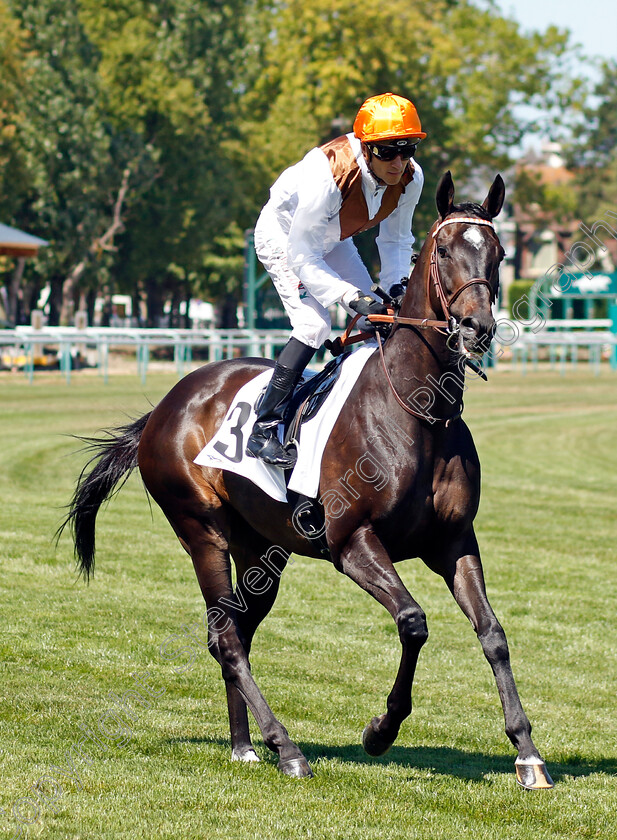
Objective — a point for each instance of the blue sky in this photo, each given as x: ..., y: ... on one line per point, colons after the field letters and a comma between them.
x: 593, y: 23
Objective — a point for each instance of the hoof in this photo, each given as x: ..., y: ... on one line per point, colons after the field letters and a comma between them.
x: 247, y: 755
x: 372, y: 742
x: 532, y: 774
x: 297, y: 768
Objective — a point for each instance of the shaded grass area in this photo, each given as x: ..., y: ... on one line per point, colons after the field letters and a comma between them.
x: 326, y: 656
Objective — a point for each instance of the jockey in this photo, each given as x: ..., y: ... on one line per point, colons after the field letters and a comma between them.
x: 303, y: 239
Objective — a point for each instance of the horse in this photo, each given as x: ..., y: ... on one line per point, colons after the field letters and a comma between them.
x: 402, y: 423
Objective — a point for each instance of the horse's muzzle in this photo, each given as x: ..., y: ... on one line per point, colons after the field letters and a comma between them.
x: 475, y: 335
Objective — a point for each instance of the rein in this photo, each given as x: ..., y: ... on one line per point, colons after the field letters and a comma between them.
x: 408, y: 408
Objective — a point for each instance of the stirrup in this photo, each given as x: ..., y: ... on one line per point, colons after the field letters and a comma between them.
x: 271, y: 451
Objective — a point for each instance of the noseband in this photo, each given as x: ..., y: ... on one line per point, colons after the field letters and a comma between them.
x: 433, y: 275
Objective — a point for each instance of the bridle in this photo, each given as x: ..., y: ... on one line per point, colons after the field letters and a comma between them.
x: 449, y: 327
x: 434, y: 276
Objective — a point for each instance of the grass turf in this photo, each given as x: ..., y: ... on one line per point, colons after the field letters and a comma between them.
x: 325, y: 657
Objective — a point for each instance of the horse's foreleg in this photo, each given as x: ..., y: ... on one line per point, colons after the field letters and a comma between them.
x: 466, y: 582
x: 212, y: 566
x: 365, y: 561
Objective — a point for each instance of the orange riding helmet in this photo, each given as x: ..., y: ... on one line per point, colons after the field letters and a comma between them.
x: 386, y: 117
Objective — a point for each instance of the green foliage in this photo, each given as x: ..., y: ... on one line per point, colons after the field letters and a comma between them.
x: 204, y: 104
x: 139, y: 88
x: 13, y: 80
x: 223, y: 263
x: 462, y: 66
x: 73, y: 162
x: 544, y: 200
x: 517, y: 290
x: 320, y: 61
x: 593, y: 158
x: 169, y: 71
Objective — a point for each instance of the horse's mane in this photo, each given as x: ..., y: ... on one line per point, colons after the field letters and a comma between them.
x: 469, y: 208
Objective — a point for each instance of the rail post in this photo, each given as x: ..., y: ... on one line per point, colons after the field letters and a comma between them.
x: 612, y: 314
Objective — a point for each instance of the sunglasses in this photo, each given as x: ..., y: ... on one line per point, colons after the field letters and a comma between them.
x: 405, y: 148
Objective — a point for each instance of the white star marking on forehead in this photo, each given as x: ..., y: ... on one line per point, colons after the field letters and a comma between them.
x: 473, y: 235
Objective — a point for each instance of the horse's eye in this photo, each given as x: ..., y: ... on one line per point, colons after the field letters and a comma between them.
x: 443, y: 252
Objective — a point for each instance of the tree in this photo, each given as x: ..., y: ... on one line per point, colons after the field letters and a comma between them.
x: 149, y: 133
x: 171, y: 72
x: 593, y: 158
x: 14, y: 80
x: 129, y: 109
x: 74, y: 161
x: 13, y: 172
x: 223, y: 268
x: 463, y: 66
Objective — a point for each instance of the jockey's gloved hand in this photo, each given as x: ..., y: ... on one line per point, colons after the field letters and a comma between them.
x: 367, y: 305
x: 365, y: 326
x: 397, y: 292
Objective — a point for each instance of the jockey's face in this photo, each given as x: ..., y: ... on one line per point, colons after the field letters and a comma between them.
x: 388, y: 171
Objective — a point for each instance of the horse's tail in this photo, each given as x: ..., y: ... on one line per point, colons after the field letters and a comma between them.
x: 114, y: 459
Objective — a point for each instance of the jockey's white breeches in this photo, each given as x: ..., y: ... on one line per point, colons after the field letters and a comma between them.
x: 310, y: 321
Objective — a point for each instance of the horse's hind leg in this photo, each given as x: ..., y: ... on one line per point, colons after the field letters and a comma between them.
x: 365, y: 561
x: 464, y: 577
x: 209, y: 551
x: 257, y: 585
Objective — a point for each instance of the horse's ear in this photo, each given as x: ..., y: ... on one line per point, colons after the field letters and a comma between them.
x: 445, y: 194
x: 494, y: 200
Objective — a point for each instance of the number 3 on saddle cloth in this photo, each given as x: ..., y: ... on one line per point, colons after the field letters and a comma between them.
x: 310, y: 418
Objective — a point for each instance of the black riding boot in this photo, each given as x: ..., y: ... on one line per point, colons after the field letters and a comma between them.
x: 263, y: 442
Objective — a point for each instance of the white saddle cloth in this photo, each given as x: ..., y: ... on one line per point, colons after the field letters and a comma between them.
x: 227, y: 449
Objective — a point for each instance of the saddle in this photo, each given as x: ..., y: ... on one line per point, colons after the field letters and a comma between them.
x: 309, y: 396
x: 306, y: 401
x: 315, y: 387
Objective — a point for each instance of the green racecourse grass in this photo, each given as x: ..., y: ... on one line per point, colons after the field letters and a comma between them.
x: 325, y: 657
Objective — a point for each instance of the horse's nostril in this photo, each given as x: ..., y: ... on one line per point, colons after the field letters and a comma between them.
x: 469, y: 324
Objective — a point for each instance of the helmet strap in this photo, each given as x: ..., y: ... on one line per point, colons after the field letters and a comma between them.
x: 368, y: 157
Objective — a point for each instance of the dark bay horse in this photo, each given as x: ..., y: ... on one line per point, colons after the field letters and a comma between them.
x: 400, y: 478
